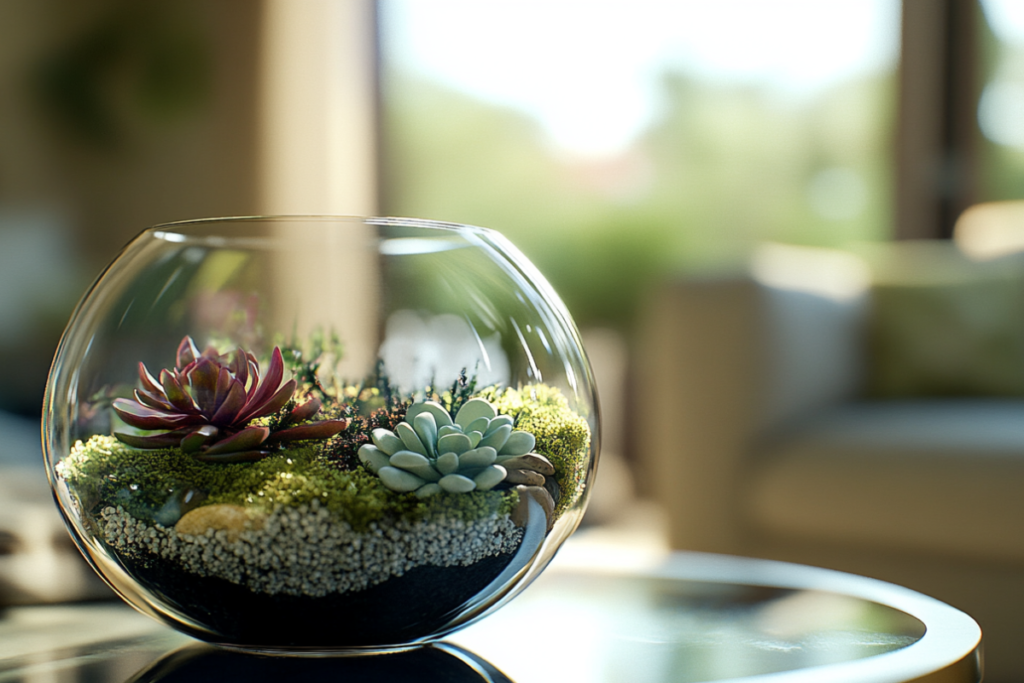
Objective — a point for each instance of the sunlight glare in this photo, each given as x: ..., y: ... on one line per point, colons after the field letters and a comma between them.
x: 589, y: 71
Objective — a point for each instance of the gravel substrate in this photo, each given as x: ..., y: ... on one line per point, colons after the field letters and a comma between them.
x: 303, y: 551
x: 306, y: 580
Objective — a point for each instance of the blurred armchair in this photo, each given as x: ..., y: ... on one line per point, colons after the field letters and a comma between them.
x: 766, y: 429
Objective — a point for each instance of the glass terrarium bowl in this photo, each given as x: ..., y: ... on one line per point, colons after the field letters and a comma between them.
x: 320, y: 434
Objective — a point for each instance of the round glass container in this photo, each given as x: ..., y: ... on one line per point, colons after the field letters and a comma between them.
x: 320, y: 434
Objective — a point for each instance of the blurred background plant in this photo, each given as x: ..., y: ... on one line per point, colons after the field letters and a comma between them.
x: 704, y: 151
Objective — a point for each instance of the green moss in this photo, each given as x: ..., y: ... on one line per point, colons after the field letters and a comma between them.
x: 563, y: 437
x: 103, y: 472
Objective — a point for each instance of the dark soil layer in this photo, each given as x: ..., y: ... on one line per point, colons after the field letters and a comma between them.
x: 401, y: 609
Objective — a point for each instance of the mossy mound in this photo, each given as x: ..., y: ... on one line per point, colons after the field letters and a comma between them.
x: 563, y: 436
x: 160, y: 485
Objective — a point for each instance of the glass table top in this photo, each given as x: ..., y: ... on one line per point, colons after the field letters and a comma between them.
x: 685, y: 618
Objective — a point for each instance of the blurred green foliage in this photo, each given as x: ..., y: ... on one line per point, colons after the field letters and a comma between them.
x: 138, y: 59
x: 722, y: 168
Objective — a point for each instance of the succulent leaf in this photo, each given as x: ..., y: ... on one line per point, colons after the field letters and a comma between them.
x: 231, y: 405
x: 428, y: 490
x: 478, y: 425
x: 448, y: 463
x: 400, y: 480
x: 497, y: 438
x: 143, y: 417
x: 254, y: 372
x: 206, y: 402
x: 149, y: 382
x: 262, y: 394
x: 497, y: 423
x: 313, y: 430
x: 386, y: 441
x: 240, y: 366
x: 203, y: 381
x: 478, y: 457
x: 456, y: 483
x: 166, y: 440
x: 194, y: 441
x: 175, y: 393
x: 225, y: 382
x: 448, y: 429
x: 187, y: 353
x: 472, y: 409
x: 518, y: 443
x: 490, y: 477
x: 441, y: 416
x: 245, y: 440
x: 147, y: 399
x: 373, y: 458
x: 407, y: 460
x: 303, y: 411
x: 415, y: 463
x: 426, y: 429
x: 254, y: 409
x: 454, y: 443
x: 437, y: 452
x: 410, y: 438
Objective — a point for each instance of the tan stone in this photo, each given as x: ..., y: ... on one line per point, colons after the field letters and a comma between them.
x: 530, y: 461
x: 520, y: 515
x: 528, y: 477
x: 234, y: 519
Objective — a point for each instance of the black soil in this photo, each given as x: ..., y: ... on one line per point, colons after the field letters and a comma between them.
x: 414, y: 605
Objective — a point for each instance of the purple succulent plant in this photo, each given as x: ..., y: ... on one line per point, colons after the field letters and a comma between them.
x: 207, y: 401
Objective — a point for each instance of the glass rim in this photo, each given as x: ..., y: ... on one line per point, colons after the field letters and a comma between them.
x: 326, y: 218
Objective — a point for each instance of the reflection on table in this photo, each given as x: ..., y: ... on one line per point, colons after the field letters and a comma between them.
x: 683, y: 619
x: 615, y: 628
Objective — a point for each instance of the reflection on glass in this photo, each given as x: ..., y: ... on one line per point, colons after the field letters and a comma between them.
x: 206, y: 664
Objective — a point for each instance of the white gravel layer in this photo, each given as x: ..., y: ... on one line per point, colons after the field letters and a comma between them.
x: 305, y: 551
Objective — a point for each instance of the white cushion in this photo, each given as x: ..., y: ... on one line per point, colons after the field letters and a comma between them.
x: 934, y: 476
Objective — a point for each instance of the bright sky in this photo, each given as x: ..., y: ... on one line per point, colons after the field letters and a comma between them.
x: 587, y: 70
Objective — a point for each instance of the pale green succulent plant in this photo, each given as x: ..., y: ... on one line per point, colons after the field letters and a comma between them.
x: 429, y: 452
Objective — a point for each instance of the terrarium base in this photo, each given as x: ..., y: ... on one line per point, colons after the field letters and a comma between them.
x: 403, y: 609
x: 321, y: 653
